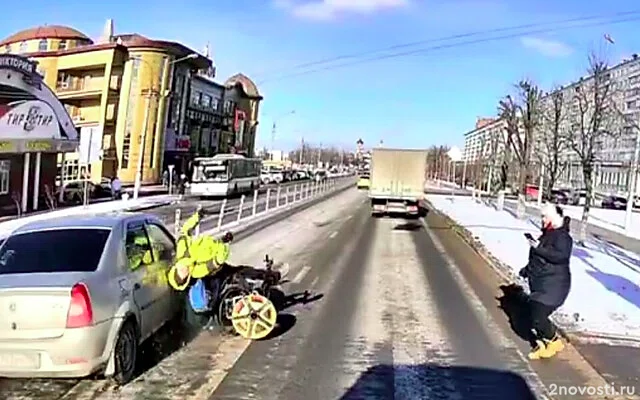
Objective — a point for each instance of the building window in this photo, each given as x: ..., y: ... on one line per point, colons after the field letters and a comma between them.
x: 23, y: 47
x: 43, y: 45
x: 62, y: 45
x: 4, y: 176
x: 7, y: 48
x: 206, y: 101
x: 152, y: 152
x: 195, y: 98
x: 215, y: 104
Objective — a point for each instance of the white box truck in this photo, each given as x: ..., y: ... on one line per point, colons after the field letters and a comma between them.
x: 397, y: 181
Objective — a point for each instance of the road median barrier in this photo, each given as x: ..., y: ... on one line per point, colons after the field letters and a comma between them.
x: 253, y: 212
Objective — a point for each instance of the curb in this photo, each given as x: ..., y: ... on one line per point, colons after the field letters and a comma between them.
x: 496, y: 265
x: 508, y: 276
x: 150, y: 207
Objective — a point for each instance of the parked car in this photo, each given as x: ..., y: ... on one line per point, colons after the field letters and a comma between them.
x: 557, y: 196
x: 73, y: 191
x: 614, y: 202
x: 271, y: 176
x: 320, y: 175
x: 78, y: 294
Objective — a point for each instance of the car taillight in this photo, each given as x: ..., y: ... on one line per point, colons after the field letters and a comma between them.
x: 80, y: 311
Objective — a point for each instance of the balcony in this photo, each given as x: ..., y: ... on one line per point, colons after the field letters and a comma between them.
x: 84, y: 87
x: 82, y: 117
x: 76, y: 88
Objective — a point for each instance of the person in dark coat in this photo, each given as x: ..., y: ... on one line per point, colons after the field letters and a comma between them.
x: 549, y: 279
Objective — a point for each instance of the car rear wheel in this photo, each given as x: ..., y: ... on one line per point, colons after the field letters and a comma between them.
x: 126, y: 353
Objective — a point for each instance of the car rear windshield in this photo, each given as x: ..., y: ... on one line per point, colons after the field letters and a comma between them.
x: 60, y: 250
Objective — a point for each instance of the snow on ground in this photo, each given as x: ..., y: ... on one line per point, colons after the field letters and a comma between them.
x: 605, y: 296
x: 108, y: 206
x: 612, y: 220
x: 439, y: 184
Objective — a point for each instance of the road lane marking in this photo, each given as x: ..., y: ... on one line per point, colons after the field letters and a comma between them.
x: 303, y: 272
x: 314, y: 282
x: 333, y: 234
x: 495, y: 334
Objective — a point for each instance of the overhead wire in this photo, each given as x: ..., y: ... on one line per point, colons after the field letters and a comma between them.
x: 631, y: 16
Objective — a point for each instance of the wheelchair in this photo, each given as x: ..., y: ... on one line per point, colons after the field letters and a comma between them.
x: 248, y: 299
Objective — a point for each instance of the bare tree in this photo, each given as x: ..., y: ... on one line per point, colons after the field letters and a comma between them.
x: 437, y: 161
x: 551, y: 138
x: 522, y: 116
x: 592, y: 119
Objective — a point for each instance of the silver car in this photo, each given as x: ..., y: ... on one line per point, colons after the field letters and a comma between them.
x: 79, y: 294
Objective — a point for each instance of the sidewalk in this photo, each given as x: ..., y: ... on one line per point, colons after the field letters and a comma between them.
x: 605, y: 226
x: 605, y: 297
x: 103, y: 207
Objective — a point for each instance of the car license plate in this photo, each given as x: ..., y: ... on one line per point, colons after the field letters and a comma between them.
x: 19, y: 361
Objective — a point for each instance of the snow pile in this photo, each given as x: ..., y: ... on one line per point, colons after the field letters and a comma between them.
x: 103, y: 207
x: 605, y: 292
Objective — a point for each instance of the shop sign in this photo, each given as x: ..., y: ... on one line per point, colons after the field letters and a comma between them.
x: 28, y: 68
x: 38, y: 145
x: 31, y: 119
x: 6, y: 146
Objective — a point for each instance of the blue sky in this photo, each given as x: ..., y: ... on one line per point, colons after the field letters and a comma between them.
x: 423, y: 99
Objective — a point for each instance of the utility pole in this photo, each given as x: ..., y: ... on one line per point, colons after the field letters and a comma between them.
x: 273, y: 140
x: 464, y: 173
x: 301, y: 151
x: 319, y: 153
x: 633, y: 182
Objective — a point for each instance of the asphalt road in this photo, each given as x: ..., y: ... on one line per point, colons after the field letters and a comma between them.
x: 399, y: 309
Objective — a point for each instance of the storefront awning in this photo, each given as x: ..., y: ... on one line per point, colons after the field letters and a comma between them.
x: 32, y: 119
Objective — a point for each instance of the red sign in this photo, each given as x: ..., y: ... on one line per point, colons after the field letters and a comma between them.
x: 240, y: 116
x: 183, y: 143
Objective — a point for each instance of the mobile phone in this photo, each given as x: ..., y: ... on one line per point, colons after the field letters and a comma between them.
x: 528, y: 236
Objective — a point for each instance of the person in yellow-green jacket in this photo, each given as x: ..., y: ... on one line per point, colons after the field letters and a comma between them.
x: 197, y: 257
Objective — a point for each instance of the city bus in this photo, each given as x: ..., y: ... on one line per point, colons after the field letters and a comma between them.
x: 225, y: 174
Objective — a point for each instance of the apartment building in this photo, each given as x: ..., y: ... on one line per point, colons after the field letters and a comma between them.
x: 486, y: 142
x: 614, y: 153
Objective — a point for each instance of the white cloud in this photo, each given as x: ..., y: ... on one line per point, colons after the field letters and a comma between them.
x: 324, y: 10
x: 546, y: 47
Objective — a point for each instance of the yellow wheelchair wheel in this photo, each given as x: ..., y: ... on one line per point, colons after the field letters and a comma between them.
x: 254, y: 317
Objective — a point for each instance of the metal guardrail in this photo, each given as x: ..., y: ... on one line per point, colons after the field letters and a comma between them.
x: 274, y: 200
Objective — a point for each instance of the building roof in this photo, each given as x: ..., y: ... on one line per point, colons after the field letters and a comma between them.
x: 249, y: 88
x: 128, y: 42
x: 490, y: 125
x: 45, y: 32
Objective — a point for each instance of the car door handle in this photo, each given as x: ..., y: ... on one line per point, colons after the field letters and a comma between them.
x: 137, y: 286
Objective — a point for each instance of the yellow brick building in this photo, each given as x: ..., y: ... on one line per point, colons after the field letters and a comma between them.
x: 116, y: 90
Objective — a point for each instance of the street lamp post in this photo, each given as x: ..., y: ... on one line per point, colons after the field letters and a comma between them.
x: 273, y: 129
x: 149, y: 93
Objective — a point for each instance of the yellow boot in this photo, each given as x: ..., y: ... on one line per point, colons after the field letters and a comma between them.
x: 540, y: 351
x: 554, y: 345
